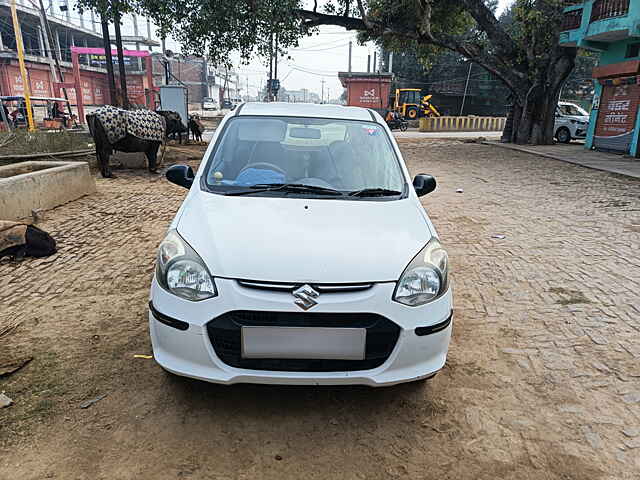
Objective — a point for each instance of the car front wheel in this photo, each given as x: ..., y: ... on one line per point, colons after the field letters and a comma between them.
x: 563, y: 135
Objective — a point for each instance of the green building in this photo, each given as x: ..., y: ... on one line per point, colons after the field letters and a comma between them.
x: 612, y: 28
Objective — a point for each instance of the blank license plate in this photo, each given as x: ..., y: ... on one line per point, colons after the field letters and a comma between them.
x: 304, y: 343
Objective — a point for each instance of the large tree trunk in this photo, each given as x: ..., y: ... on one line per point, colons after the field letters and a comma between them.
x: 533, y: 122
x: 532, y: 117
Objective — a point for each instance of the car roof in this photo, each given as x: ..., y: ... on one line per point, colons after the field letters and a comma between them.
x: 305, y: 110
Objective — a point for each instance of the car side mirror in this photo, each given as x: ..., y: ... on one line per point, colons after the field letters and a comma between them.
x: 423, y: 184
x: 181, y: 175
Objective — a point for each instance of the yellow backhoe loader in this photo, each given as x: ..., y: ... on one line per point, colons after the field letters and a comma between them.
x: 408, y: 103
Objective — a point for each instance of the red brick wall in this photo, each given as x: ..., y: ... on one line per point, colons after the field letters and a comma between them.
x: 94, y: 84
x: 39, y: 81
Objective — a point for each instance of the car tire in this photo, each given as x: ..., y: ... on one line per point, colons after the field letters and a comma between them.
x: 563, y: 135
x: 412, y: 113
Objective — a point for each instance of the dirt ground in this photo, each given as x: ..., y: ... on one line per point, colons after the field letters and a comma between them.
x: 542, y: 380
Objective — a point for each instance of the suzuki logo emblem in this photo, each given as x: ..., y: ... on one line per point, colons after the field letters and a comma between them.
x: 305, y: 297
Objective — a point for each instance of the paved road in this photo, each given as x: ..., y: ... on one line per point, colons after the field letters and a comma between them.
x: 575, y: 153
x: 542, y: 380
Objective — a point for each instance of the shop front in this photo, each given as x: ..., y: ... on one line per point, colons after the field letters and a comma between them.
x: 615, y: 108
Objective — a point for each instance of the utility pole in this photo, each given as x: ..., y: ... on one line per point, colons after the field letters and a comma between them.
x: 350, y: 46
x: 23, y: 69
x: 149, y: 33
x: 121, y: 70
x: 466, y: 87
x: 368, y: 63
x: 390, y: 62
x: 106, y: 41
x: 52, y: 53
x: 275, y: 68
x: 375, y: 56
x: 322, y: 98
x: 270, y: 67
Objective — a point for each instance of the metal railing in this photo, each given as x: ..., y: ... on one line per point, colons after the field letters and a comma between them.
x: 572, y: 20
x: 603, y: 9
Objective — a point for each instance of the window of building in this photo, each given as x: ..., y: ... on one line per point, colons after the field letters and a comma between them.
x: 633, y: 50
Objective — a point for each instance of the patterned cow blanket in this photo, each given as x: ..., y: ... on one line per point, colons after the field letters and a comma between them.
x: 12, y: 234
x: 142, y: 124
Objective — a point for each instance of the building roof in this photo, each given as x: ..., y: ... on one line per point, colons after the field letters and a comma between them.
x: 306, y: 110
x: 347, y: 77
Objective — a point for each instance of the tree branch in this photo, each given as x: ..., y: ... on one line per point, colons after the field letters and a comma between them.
x: 312, y: 19
x: 424, y: 25
x: 363, y: 15
x: 347, y: 8
x: 489, y: 24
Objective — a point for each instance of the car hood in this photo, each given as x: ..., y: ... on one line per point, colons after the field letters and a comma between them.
x: 303, y: 240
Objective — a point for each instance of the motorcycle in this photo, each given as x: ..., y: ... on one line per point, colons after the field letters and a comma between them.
x: 398, y: 122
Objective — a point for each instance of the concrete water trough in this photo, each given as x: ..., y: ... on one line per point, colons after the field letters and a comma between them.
x: 36, y: 185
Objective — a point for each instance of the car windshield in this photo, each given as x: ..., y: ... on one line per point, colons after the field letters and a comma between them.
x: 570, y: 109
x: 342, y: 158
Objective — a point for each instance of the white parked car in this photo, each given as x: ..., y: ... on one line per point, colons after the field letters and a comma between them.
x: 572, y: 122
x: 301, y: 255
x: 208, y: 103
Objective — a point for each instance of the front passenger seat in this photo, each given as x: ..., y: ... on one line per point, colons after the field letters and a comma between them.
x: 350, y: 173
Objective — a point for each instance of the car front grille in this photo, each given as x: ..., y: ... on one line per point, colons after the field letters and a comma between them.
x: 320, y: 287
x: 225, y: 336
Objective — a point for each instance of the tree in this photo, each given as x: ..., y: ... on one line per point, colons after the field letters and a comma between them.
x: 111, y: 10
x: 525, y: 54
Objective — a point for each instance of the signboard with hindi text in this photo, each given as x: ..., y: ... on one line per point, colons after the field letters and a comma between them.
x: 617, y: 116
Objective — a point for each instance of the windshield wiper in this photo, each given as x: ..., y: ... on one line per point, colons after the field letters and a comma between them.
x: 287, y: 187
x: 374, y: 192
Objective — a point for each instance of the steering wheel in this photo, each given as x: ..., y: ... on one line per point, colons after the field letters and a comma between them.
x: 268, y: 165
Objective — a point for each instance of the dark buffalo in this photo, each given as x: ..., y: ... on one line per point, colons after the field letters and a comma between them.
x: 174, y: 124
x: 104, y: 149
x: 196, y: 128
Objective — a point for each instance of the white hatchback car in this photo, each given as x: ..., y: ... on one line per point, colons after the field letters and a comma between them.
x: 301, y: 255
x: 571, y: 123
x: 208, y: 103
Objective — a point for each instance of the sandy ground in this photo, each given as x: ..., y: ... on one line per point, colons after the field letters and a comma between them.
x: 542, y: 380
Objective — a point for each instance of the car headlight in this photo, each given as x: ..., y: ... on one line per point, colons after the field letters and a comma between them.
x: 181, y: 271
x: 425, y: 278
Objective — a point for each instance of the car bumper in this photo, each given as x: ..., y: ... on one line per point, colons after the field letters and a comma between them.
x: 189, y: 352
